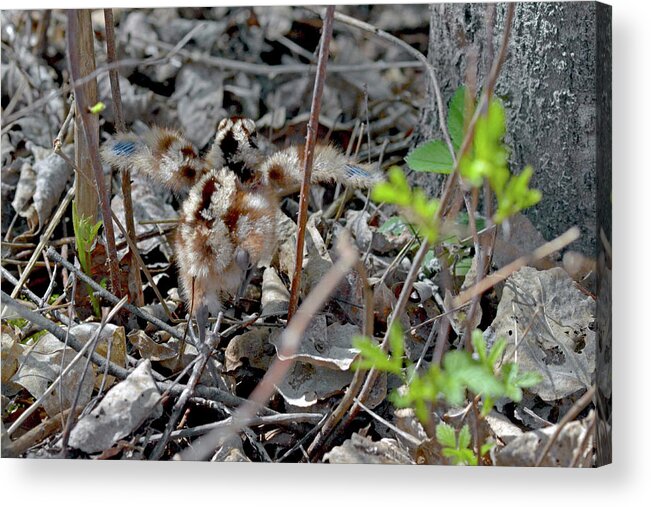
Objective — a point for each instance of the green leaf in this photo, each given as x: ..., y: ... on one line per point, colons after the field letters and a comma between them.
x: 486, y: 448
x: 469, y: 457
x: 433, y: 157
x: 394, y: 226
x: 496, y: 119
x: 456, y: 117
x: 479, y: 345
x: 445, y: 435
x: 482, y: 381
x: 496, y: 351
x: 464, y: 437
x: 395, y: 191
x: 97, y: 108
x: 462, y: 267
x: 528, y: 379
x: 516, y: 195
x: 371, y: 355
x: 487, y: 406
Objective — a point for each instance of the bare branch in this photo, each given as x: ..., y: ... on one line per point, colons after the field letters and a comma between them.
x: 310, y: 143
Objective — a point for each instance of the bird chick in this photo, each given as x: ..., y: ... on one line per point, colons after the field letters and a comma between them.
x: 223, y: 231
x: 228, y: 219
x: 235, y: 147
x: 283, y: 170
x: 163, y: 155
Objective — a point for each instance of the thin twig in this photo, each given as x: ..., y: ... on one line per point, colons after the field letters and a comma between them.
x: 407, y: 436
x: 571, y: 414
x: 57, y: 144
x: 503, y: 273
x: 30, y: 410
x: 56, y: 218
x: 94, y: 341
x: 301, y: 442
x: 373, y: 374
x: 43, y: 25
x: 589, y: 435
x: 483, y: 102
x: 278, y: 420
x: 117, y: 371
x: 447, y: 207
x: 471, y: 207
x: 58, y: 332
x: 310, y: 143
x: 54, y: 255
x: 138, y: 261
x: 367, y: 380
x: 128, y: 62
x: 36, y: 299
x: 125, y: 174
x: 416, y: 54
x: 223, y: 63
x: 356, y: 383
x: 36, y: 435
x: 272, y: 71
x: 111, y: 52
x: 197, y: 370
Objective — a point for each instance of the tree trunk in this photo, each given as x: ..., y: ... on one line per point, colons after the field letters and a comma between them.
x: 556, y: 87
x: 549, y: 88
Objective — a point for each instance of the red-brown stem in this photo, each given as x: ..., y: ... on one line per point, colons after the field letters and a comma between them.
x: 114, y: 79
x: 92, y: 140
x: 125, y: 175
x: 310, y: 142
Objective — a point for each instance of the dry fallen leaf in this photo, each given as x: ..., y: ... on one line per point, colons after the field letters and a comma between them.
x: 323, y: 345
x: 11, y: 352
x: 275, y: 296
x: 43, y: 363
x: 199, y: 92
x: 124, y: 408
x: 548, y: 322
x: 150, y: 349
x: 524, y: 450
x: 305, y: 384
x: 112, y: 338
x: 40, y: 187
x: 362, y: 450
x: 253, y: 346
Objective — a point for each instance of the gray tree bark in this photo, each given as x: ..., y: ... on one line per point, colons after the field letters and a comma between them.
x: 548, y: 85
x: 556, y: 87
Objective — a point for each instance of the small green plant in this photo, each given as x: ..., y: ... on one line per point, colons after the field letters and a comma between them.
x: 489, y: 159
x: 417, y: 208
x: 486, y: 159
x: 457, y: 447
x: 434, y: 156
x: 85, y: 235
x: 460, y: 373
x: 17, y: 323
